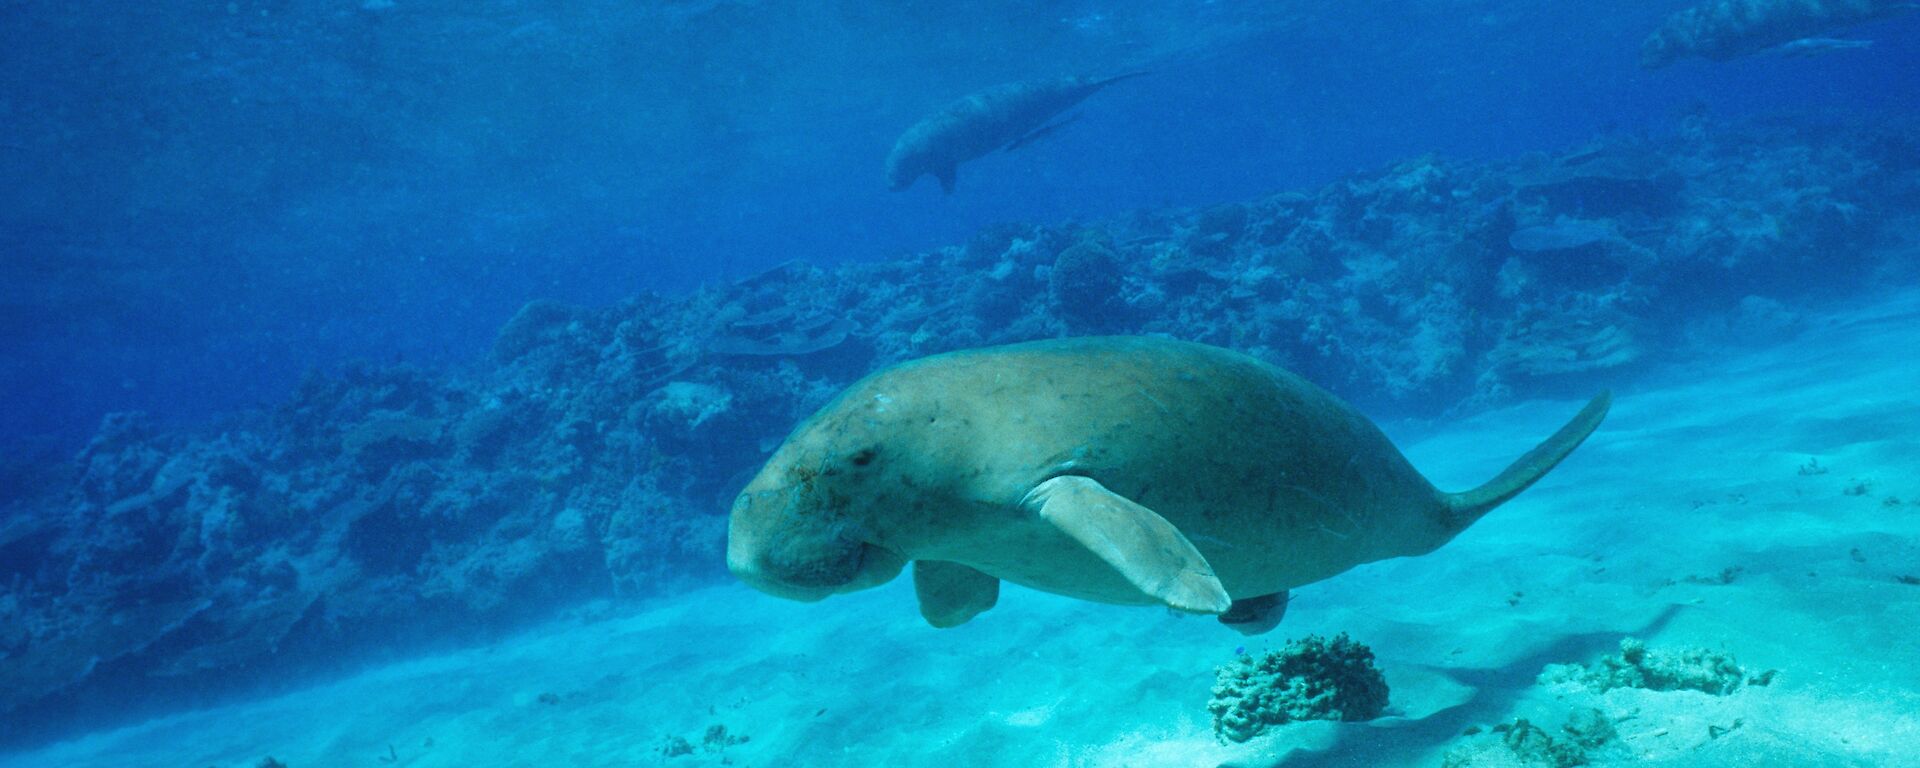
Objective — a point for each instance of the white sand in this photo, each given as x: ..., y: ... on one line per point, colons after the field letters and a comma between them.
x: 1696, y: 472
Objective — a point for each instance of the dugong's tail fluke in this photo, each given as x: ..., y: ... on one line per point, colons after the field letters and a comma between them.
x: 1466, y: 507
x: 1106, y: 81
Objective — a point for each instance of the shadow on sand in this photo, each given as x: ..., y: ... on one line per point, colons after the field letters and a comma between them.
x: 1495, y: 691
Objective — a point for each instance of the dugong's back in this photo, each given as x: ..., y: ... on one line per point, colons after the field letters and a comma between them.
x: 1276, y: 482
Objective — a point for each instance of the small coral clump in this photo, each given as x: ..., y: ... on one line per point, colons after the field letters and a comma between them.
x: 691, y: 403
x: 1521, y: 743
x: 1085, y: 284
x: 1313, y: 678
x: 1692, y: 669
x: 716, y: 740
x: 676, y: 746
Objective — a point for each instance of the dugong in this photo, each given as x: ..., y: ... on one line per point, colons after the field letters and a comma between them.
x: 1004, y: 116
x: 1725, y: 29
x: 1128, y: 470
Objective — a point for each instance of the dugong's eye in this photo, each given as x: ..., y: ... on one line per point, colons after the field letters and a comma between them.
x: 862, y: 458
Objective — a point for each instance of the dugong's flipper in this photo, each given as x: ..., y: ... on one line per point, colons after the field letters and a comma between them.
x: 1042, y: 132
x: 1256, y: 615
x: 951, y: 593
x: 1146, y: 549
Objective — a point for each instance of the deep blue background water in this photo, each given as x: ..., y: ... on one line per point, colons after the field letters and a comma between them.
x: 204, y: 201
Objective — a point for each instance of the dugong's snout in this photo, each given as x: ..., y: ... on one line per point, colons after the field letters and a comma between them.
x: 905, y: 166
x: 898, y: 178
x: 798, y: 561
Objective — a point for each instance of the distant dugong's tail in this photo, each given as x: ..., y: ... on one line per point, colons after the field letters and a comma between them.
x: 1106, y: 81
x: 1466, y: 507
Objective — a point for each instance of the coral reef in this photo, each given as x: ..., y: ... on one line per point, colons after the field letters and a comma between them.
x: 594, y: 454
x: 1313, y: 678
x: 1692, y: 669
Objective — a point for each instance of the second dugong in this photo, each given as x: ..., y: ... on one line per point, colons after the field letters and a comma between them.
x: 1004, y: 116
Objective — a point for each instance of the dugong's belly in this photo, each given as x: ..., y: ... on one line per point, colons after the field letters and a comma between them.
x: 1274, y: 481
x: 1256, y: 547
x: 985, y: 122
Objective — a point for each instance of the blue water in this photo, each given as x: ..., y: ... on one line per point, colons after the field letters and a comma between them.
x: 211, y: 201
x: 207, y: 203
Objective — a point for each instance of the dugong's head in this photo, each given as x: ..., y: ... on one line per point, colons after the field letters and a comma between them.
x: 905, y: 165
x: 925, y: 149
x: 802, y: 528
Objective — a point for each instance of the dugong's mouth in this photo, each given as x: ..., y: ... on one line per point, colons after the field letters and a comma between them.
x: 830, y: 573
x: 860, y: 566
x: 901, y: 172
x: 784, y: 544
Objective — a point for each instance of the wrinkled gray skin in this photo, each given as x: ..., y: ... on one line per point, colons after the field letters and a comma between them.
x: 1728, y: 29
x: 948, y: 460
x: 1004, y: 116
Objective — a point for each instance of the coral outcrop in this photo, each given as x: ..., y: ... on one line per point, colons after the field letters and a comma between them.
x: 1636, y: 666
x: 1313, y: 678
x: 1623, y: 708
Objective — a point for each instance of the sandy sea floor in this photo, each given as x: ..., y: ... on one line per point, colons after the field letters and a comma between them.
x: 1765, y: 505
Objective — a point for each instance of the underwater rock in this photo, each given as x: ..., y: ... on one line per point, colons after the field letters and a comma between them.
x: 387, y: 438
x: 691, y: 403
x: 781, y: 335
x: 1605, y: 181
x: 1522, y: 744
x: 1085, y: 285
x: 536, y: 324
x: 1564, y: 234
x: 1313, y: 678
x: 716, y: 738
x: 1579, y: 334
x: 676, y: 746
x: 1216, y: 229
x: 1691, y: 669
